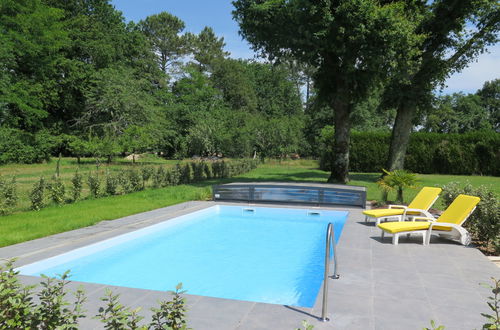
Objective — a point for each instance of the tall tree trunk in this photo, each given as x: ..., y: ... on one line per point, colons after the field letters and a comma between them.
x: 342, y: 136
x: 400, y: 136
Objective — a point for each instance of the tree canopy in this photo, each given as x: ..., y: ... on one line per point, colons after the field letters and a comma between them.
x: 354, y: 46
x: 77, y: 79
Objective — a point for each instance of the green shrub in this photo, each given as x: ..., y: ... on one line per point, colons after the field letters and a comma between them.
x: 57, y: 190
x: 52, y: 310
x: 16, y: 303
x: 111, y: 184
x: 17, y: 146
x: 396, y: 180
x: 187, y: 174
x: 37, y: 195
x: 135, y: 180
x: 94, y: 184
x: 76, y: 186
x: 8, y: 195
x: 18, y: 309
x: 159, y: 177
x: 116, y: 316
x: 199, y: 171
x: 494, y: 304
x: 175, y: 175
x: 208, y: 170
x: 171, y: 314
x: 146, y: 174
x: 470, y: 153
x: 124, y: 182
x: 484, y: 223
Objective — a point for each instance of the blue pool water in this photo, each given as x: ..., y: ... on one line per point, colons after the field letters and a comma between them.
x: 272, y: 255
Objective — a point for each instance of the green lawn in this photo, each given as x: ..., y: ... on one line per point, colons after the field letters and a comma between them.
x: 27, y: 174
x: 28, y: 225
x: 306, y: 170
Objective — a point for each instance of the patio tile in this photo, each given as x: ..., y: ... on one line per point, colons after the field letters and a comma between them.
x: 459, y: 318
x: 457, y: 297
x: 401, y: 313
x: 400, y: 291
x: 215, y: 313
x: 268, y: 316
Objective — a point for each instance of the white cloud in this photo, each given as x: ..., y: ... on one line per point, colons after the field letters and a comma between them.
x: 472, y: 78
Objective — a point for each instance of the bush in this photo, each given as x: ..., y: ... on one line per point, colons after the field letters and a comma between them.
x: 175, y: 175
x: 124, y: 182
x: 8, y: 195
x: 198, y: 171
x: 111, y: 184
x: 76, y: 186
x: 37, y: 195
x: 17, y: 146
x: 171, y: 314
x: 51, y: 310
x: 470, y: 153
x: 484, y: 223
x: 208, y: 170
x: 135, y: 180
x: 159, y: 177
x: 57, y: 190
x: 115, y: 315
x: 187, y: 174
x: 94, y: 184
x: 146, y: 174
x: 18, y: 309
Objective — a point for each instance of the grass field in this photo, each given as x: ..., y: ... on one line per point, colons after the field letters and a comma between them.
x: 27, y: 174
x: 306, y: 170
x: 27, y: 225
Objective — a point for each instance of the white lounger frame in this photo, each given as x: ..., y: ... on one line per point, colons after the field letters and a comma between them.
x: 457, y: 233
x: 401, y: 217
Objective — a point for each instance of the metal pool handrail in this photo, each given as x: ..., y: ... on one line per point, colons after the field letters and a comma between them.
x: 330, y: 236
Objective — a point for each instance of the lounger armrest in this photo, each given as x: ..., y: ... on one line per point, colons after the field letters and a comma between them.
x: 444, y: 224
x: 430, y: 219
x: 417, y: 210
x: 423, y: 213
x: 395, y: 206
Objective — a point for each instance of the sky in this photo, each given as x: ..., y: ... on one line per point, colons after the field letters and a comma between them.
x: 197, y: 14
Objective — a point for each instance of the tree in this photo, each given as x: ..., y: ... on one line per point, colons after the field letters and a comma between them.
x: 116, y: 100
x: 454, y: 33
x: 235, y: 82
x: 30, y: 61
x: 352, y: 44
x: 136, y: 139
x: 207, y: 49
x: 457, y: 113
x: 164, y: 32
x: 490, y: 100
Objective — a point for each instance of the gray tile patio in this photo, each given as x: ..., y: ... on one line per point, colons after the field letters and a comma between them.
x: 381, y: 286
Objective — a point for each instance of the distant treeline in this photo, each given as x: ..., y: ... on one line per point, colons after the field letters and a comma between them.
x: 77, y: 80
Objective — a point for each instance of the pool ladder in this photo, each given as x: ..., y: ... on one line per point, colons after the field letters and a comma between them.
x: 330, y: 238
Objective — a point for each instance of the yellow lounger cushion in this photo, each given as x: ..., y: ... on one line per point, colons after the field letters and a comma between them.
x: 379, y: 213
x: 398, y: 227
x: 425, y: 198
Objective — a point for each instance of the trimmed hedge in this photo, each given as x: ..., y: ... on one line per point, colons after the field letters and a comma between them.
x: 469, y: 153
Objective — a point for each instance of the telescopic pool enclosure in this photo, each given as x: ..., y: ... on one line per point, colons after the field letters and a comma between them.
x: 318, y: 194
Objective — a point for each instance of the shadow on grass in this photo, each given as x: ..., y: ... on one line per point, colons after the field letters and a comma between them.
x: 370, y: 177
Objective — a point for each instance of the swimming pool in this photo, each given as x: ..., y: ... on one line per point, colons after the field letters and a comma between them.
x: 261, y: 254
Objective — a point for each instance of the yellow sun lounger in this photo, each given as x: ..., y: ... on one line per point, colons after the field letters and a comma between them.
x: 448, y: 225
x: 418, y: 206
